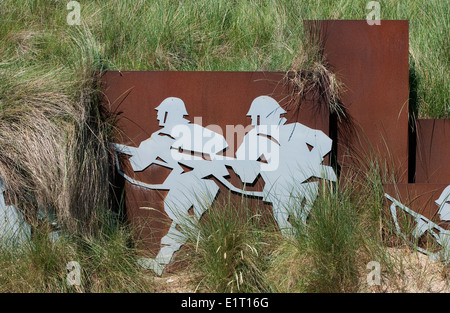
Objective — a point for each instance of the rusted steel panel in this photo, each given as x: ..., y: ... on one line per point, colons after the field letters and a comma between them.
x: 420, y: 198
x: 219, y: 98
x: 372, y: 63
x: 433, y: 151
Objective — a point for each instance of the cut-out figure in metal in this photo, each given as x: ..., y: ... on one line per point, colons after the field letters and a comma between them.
x: 444, y: 204
x: 176, y: 143
x: 424, y: 225
x: 13, y: 228
x: 294, y: 154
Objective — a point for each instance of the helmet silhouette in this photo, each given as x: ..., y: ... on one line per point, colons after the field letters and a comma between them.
x: 267, y: 110
x: 171, y: 111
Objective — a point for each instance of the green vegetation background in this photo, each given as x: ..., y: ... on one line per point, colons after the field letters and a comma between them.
x: 211, y: 35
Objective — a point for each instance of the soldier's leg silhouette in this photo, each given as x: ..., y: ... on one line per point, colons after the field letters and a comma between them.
x: 189, y: 193
x: 306, y: 195
x: 281, y: 212
x: 296, y: 203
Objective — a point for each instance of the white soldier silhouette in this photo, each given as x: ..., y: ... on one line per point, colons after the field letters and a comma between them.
x: 284, y: 147
x: 424, y: 225
x: 170, y: 146
x: 13, y: 229
x: 294, y: 154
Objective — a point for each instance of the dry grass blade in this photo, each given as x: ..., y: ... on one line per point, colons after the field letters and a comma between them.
x: 310, y: 76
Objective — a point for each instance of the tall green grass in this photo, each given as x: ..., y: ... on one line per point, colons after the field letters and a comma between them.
x: 326, y: 254
x: 260, y: 35
x: 107, y: 260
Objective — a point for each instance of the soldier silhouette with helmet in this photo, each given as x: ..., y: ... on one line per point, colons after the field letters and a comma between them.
x: 176, y: 143
x: 294, y: 154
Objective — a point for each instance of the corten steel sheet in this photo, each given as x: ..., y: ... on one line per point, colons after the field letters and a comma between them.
x: 219, y: 98
x: 419, y: 198
x: 433, y: 151
x: 372, y: 63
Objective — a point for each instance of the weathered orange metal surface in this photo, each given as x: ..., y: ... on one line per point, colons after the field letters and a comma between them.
x: 373, y: 64
x: 433, y: 151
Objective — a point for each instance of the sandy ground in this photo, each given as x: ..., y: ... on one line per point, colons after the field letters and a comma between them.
x: 413, y: 272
